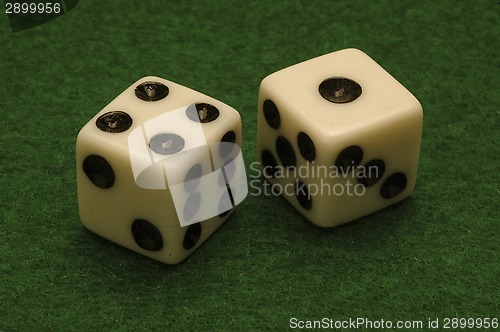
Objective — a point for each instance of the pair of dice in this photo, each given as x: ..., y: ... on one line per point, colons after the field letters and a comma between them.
x: 159, y: 169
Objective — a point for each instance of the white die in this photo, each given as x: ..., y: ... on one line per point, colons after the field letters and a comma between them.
x: 145, y: 169
x: 342, y: 133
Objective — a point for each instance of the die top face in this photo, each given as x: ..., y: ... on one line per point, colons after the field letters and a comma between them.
x: 151, y: 97
x: 339, y: 92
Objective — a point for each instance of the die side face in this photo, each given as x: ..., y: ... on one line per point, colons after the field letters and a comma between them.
x: 133, y: 206
x: 352, y: 156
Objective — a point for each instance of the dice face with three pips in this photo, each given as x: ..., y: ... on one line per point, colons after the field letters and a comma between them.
x: 338, y: 136
x: 159, y: 169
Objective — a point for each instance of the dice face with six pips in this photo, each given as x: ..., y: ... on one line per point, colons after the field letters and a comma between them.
x: 159, y: 169
x: 339, y: 136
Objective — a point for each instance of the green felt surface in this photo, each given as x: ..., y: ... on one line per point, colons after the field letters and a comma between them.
x: 435, y: 255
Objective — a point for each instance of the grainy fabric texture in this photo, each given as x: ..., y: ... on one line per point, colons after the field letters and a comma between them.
x: 434, y: 255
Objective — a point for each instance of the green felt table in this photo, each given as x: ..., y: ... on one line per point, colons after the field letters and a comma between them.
x: 432, y: 256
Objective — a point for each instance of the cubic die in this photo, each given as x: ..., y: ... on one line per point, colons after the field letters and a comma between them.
x: 159, y: 169
x: 339, y: 136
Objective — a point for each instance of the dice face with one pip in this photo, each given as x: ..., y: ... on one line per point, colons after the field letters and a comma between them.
x: 159, y: 169
x: 338, y: 136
